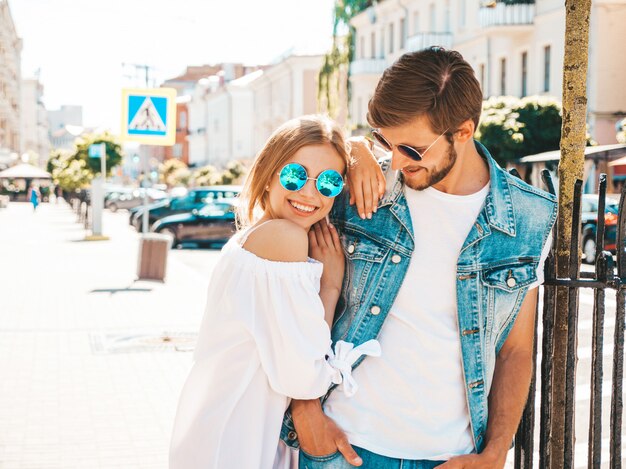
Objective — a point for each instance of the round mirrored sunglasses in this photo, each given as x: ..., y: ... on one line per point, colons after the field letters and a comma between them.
x: 293, y: 177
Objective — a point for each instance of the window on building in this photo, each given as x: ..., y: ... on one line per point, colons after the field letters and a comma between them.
x: 462, y: 12
x: 182, y: 120
x: 362, y: 47
x: 382, y: 44
x: 524, y: 74
x: 447, y: 26
x: 416, y: 22
x: 177, y: 150
x: 359, y: 111
x: 433, y: 18
x: 481, y: 71
x: 546, y: 69
x: 402, y: 33
x: 373, y: 46
x: 391, y: 34
x: 502, y: 77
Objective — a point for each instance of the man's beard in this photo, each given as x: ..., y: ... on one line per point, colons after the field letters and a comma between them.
x: 437, y: 174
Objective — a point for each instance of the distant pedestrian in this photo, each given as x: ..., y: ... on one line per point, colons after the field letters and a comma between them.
x: 34, y: 196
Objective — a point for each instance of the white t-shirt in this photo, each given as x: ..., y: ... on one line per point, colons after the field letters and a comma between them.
x: 411, y: 402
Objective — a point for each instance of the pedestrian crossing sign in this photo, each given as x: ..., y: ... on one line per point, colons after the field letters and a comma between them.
x: 149, y: 116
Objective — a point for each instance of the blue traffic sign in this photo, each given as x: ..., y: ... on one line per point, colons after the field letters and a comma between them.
x: 149, y: 116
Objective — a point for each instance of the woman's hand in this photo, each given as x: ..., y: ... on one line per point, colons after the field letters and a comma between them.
x: 325, y: 246
x: 366, y: 180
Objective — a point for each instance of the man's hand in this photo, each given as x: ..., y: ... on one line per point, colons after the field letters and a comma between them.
x: 318, y: 434
x: 366, y: 180
x: 484, y: 460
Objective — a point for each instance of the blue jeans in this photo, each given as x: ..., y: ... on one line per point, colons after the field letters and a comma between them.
x: 370, y: 461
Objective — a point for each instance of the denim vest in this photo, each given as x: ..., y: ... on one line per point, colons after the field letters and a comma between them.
x: 497, y: 263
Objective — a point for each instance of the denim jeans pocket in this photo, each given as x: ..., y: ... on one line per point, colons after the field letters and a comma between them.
x: 334, y: 460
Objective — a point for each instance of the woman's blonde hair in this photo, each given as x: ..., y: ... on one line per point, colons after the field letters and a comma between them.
x: 280, y: 148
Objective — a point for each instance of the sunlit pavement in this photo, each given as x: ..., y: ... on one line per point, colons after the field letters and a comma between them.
x: 87, y: 380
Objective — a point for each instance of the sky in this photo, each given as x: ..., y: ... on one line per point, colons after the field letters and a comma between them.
x: 79, y: 46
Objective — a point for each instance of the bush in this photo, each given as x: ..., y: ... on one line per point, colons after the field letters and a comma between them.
x: 511, y: 128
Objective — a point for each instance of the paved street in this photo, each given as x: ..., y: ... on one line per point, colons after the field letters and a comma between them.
x: 87, y: 382
x: 87, y: 379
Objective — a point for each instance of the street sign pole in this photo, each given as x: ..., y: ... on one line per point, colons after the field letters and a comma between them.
x: 144, y: 184
x: 97, y: 191
x: 149, y: 118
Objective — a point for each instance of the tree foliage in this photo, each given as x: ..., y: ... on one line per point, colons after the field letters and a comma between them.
x: 210, y: 176
x: 340, y: 56
x: 174, y: 172
x: 206, y: 176
x: 511, y: 127
x: 114, y: 152
x: 68, y: 171
x: 73, y: 170
x: 234, y: 172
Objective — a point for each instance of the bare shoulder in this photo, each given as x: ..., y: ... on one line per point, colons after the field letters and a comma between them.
x: 279, y: 240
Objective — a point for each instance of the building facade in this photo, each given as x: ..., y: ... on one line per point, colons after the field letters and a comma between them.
x: 10, y: 86
x: 232, y: 120
x: 286, y: 90
x: 193, y: 88
x: 34, y: 128
x: 515, y: 48
x: 180, y: 149
x: 64, y: 125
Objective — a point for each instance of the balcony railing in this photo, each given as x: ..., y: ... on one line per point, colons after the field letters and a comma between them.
x: 423, y: 40
x: 368, y: 66
x: 506, y: 14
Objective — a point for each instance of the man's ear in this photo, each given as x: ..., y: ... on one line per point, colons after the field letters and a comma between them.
x: 465, y: 131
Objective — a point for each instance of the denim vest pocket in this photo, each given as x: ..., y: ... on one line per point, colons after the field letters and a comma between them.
x: 511, y: 278
x: 357, y: 247
x: 506, y: 287
x: 365, y: 260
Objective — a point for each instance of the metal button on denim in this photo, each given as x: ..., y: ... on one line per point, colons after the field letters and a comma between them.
x: 351, y: 249
x: 511, y: 282
x: 375, y: 310
x: 292, y: 435
x: 396, y: 259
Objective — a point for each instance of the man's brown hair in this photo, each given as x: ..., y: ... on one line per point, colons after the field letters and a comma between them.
x: 434, y: 82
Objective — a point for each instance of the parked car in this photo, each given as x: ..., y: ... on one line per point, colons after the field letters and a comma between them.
x: 195, y: 199
x: 589, y: 224
x: 128, y: 200
x: 213, y: 223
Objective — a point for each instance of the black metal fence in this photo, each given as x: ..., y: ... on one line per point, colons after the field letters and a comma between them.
x: 608, y: 275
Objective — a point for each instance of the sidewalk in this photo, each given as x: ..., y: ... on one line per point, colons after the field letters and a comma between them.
x: 87, y: 381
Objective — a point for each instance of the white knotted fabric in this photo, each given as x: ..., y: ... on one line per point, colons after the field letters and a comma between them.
x: 342, y: 359
x: 262, y: 341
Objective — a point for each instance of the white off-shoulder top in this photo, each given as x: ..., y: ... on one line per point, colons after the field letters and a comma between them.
x: 262, y: 340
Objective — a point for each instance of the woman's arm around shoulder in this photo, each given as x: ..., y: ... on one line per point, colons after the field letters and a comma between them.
x: 279, y: 240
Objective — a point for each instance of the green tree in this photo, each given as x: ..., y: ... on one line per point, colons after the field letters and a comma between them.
x: 206, y: 176
x: 174, y: 172
x: 340, y: 56
x: 511, y: 127
x: 234, y: 172
x: 69, y: 172
x: 114, y: 152
x: 56, y: 159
